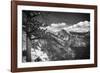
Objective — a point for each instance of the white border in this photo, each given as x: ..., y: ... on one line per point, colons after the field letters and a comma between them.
x: 52, y: 63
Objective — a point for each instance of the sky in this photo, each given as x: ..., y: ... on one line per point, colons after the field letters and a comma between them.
x: 55, y: 21
x: 62, y: 17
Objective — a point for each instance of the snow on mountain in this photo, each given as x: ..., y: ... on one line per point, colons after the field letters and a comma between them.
x: 79, y: 27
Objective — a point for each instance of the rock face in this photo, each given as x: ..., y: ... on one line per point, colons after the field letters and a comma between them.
x: 68, y: 43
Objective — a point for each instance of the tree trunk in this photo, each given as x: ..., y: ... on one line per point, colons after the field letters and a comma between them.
x: 28, y: 49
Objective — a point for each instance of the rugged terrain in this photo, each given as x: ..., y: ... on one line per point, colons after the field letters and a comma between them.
x: 68, y: 43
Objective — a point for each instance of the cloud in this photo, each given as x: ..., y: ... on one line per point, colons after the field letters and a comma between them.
x: 56, y: 27
x: 79, y: 27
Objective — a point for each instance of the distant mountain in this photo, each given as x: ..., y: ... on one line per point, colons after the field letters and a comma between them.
x: 79, y: 27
